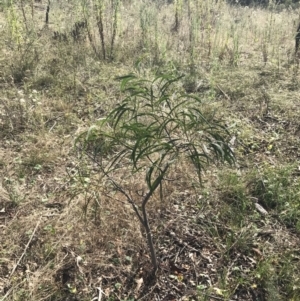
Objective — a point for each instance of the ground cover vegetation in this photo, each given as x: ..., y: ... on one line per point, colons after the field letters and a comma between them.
x: 121, y: 117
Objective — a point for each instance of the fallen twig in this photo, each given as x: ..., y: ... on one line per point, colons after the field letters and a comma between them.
x: 223, y: 92
x: 26, y: 247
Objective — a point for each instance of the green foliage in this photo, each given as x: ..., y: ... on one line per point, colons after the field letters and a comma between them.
x: 233, y: 192
x: 275, y: 188
x: 278, y: 191
x: 290, y: 267
x: 153, y: 126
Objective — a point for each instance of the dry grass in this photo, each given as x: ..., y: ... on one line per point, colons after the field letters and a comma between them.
x: 71, y: 234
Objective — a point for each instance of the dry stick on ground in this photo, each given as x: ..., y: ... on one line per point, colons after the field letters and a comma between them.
x: 99, y: 298
x: 26, y: 247
x: 223, y: 92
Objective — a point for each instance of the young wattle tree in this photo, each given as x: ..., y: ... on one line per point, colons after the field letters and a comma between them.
x: 149, y: 132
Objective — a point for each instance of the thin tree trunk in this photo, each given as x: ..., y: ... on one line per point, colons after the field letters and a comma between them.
x: 150, y: 240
